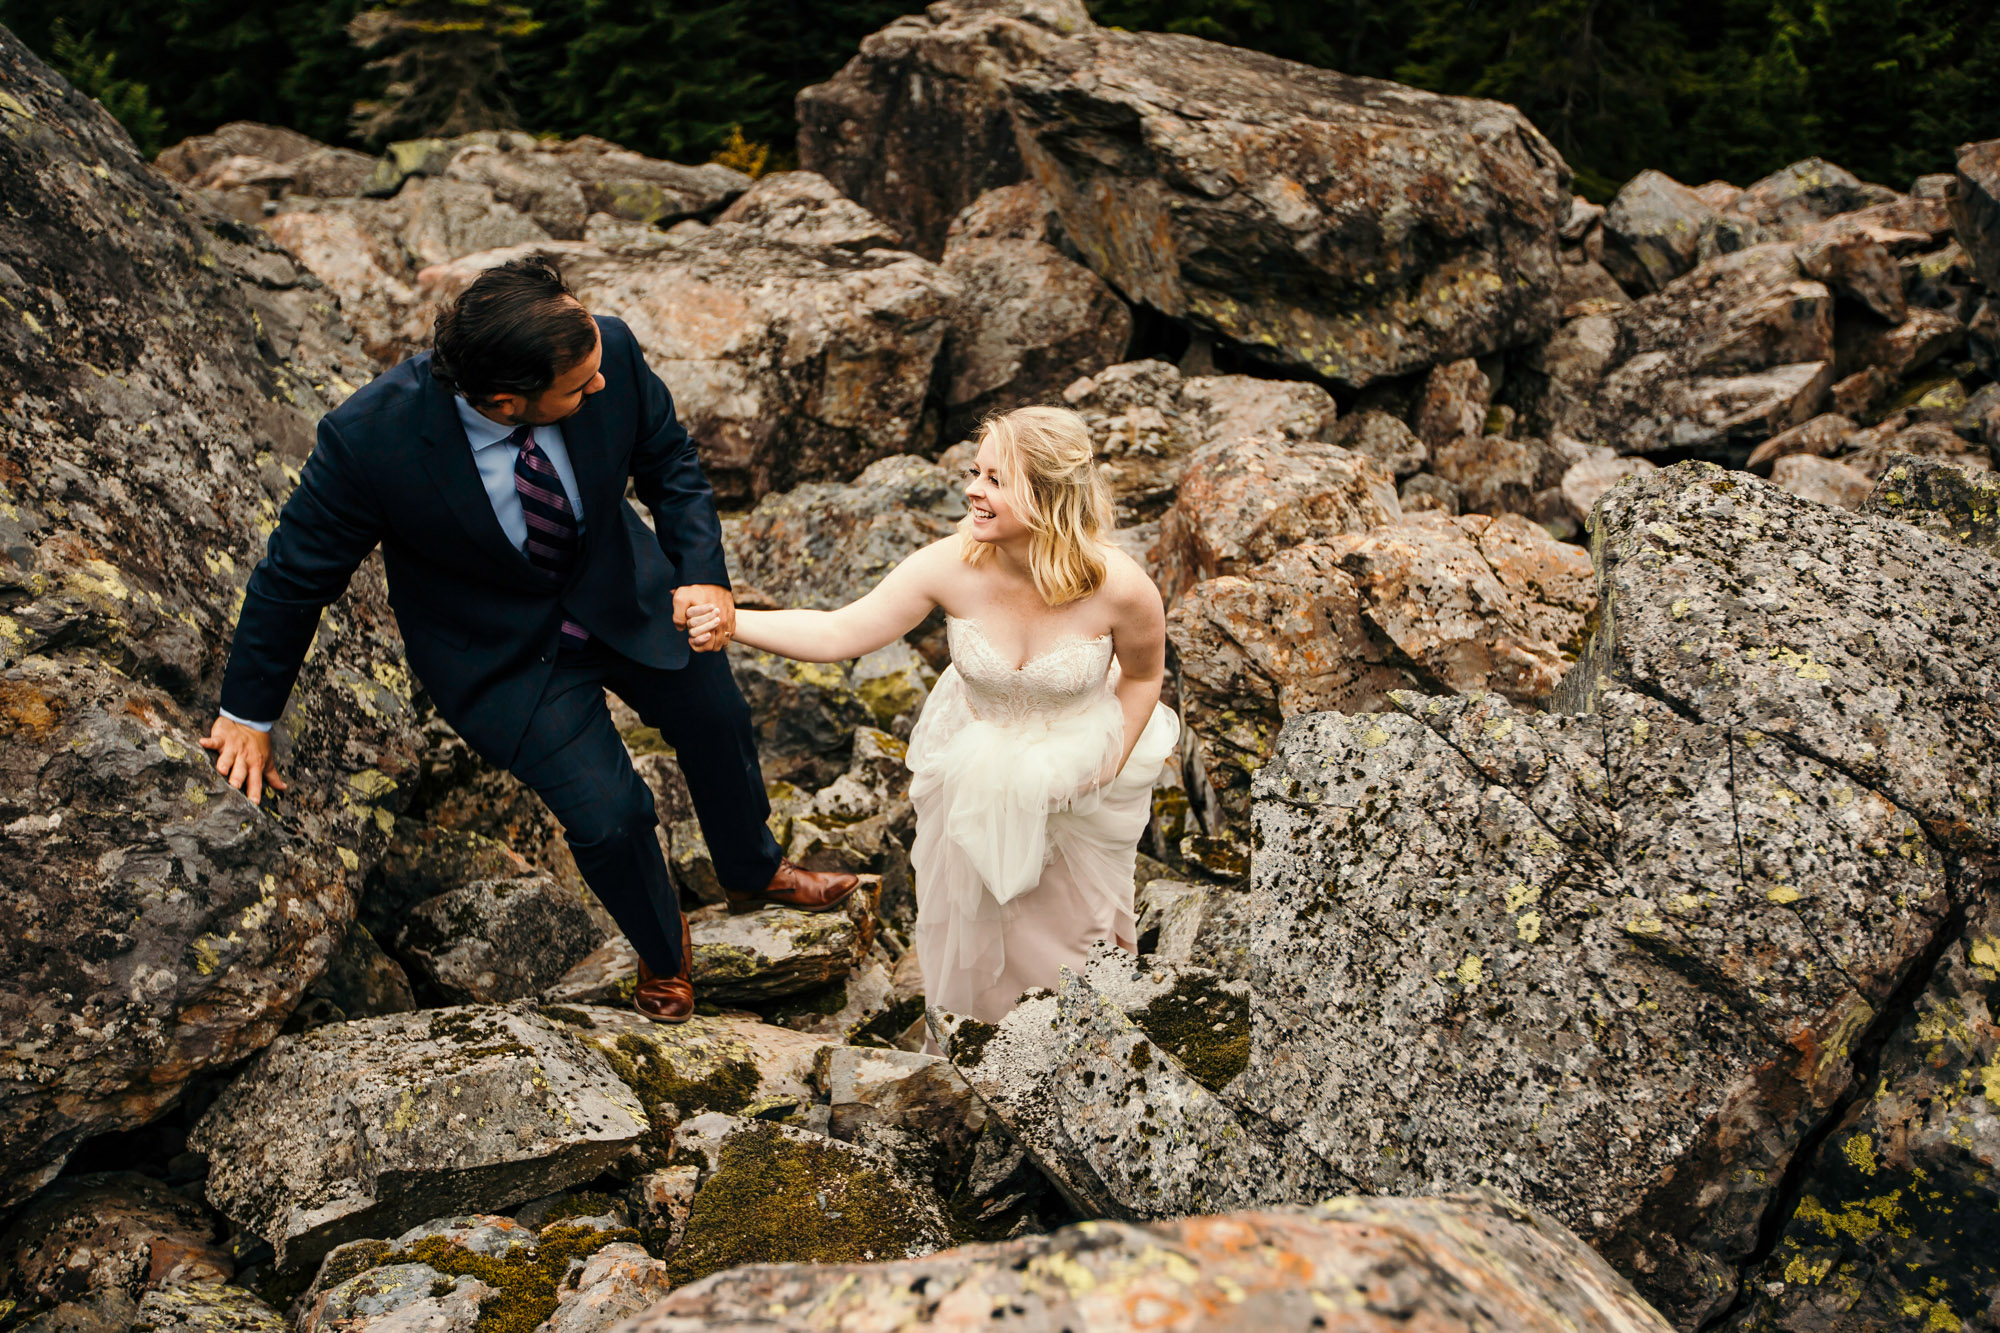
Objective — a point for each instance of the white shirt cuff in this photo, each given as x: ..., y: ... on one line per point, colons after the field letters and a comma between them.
x: 244, y: 721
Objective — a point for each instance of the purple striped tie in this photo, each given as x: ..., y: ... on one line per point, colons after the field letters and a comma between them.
x: 552, y: 537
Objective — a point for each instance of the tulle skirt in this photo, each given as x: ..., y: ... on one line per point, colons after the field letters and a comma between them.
x: 1024, y: 853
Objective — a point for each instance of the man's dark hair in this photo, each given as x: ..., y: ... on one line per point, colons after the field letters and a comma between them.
x: 513, y: 330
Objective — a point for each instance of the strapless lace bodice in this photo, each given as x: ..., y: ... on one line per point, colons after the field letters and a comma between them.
x: 1059, y: 682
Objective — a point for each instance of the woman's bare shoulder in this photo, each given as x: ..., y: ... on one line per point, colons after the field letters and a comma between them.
x: 1128, y: 589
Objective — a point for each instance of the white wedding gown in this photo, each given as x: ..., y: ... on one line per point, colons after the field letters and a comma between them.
x: 1023, y: 858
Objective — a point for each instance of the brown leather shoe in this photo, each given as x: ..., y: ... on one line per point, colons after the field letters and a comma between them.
x: 668, y: 999
x: 800, y: 890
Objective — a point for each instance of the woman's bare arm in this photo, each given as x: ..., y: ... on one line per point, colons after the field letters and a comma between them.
x: 891, y: 609
x: 1139, y: 635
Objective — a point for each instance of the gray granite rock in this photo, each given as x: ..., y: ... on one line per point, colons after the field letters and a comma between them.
x: 1855, y: 641
x: 1477, y: 1264
x: 364, y: 1128
x: 496, y: 940
x: 1975, y: 208
x: 1124, y: 1086
x: 161, y: 370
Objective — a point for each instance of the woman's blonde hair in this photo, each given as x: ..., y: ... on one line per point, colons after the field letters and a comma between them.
x: 1049, y: 472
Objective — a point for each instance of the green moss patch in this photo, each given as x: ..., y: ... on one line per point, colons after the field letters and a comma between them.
x: 670, y: 1096
x: 525, y: 1279
x: 1204, y: 1026
x: 576, y: 1018
x: 776, y: 1199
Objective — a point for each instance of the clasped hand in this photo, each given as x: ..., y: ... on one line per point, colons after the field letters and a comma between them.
x: 707, y: 613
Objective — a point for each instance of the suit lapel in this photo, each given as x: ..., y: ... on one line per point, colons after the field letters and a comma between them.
x: 448, y: 460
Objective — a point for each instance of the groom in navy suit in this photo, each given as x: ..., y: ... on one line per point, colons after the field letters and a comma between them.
x: 492, y: 472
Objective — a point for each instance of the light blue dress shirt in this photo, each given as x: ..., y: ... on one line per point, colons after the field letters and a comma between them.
x: 496, y: 473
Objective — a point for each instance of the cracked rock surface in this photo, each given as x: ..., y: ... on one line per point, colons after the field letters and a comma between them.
x: 158, y: 390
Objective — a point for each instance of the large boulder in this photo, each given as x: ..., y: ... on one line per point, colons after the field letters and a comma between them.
x: 161, y: 372
x: 1653, y: 231
x: 1899, y: 1226
x: 791, y: 357
x: 496, y: 940
x: 1793, y: 198
x: 915, y: 126
x: 1735, y: 351
x: 1434, y: 603
x: 1238, y: 192
x: 1475, y: 1263
x: 113, y: 1231
x: 1630, y: 962
x: 1975, y: 209
x: 1029, y: 319
x: 1147, y: 419
x: 363, y: 1128
x: 1252, y: 197
x: 1243, y: 500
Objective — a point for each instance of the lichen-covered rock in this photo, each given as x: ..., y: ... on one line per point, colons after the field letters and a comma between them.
x: 1029, y: 320
x: 1794, y: 197
x: 1662, y: 939
x: 730, y: 1064
x: 1393, y: 446
x: 774, y: 1194
x: 1856, y: 264
x: 805, y: 715
x: 608, y: 974
x: 1899, y: 1224
x: 1433, y: 603
x: 1453, y: 403
x: 1823, y: 435
x: 1242, y: 501
x: 791, y: 358
x: 1899, y: 349
x: 205, y: 1308
x: 496, y: 940
x: 614, y: 1284
x: 1956, y: 503
x: 161, y: 370
x: 363, y: 1128
x: 1463, y: 1264
x: 1146, y: 419
x: 913, y: 126
x: 361, y: 981
x: 1214, y: 184
x: 108, y: 1231
x: 1821, y: 480
x: 823, y: 544
x: 775, y: 952
x: 422, y: 861
x: 1585, y: 481
x: 1496, y: 474
x: 1833, y: 632
x: 1653, y: 230
x: 399, y: 1298
x: 1740, y: 348
x: 1120, y: 1085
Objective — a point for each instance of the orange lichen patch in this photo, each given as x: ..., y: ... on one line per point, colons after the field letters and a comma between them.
x: 25, y: 710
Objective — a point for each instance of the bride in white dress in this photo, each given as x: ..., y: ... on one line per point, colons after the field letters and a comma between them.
x: 1033, y: 764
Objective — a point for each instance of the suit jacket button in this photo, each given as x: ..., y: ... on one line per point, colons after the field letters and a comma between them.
x: 548, y: 657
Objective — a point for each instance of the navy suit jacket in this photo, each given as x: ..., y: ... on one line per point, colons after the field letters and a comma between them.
x: 392, y: 467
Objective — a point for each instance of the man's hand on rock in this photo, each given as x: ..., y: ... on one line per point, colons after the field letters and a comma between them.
x: 713, y: 637
x: 243, y: 755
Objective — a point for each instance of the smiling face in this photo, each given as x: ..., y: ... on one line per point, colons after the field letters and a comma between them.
x: 994, y: 515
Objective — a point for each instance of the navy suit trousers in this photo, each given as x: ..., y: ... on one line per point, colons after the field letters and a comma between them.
x: 574, y: 759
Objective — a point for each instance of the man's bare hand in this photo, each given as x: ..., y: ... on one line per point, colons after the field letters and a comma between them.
x: 692, y: 595
x: 243, y: 755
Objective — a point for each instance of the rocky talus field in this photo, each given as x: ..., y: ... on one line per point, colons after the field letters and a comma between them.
x: 1575, y: 906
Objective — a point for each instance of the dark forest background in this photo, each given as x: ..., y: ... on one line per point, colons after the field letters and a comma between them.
x: 1697, y: 88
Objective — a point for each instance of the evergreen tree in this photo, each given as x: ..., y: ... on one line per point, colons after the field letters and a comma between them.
x: 78, y: 58
x: 446, y: 66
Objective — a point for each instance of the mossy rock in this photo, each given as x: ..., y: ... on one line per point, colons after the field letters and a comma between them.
x: 785, y: 1196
